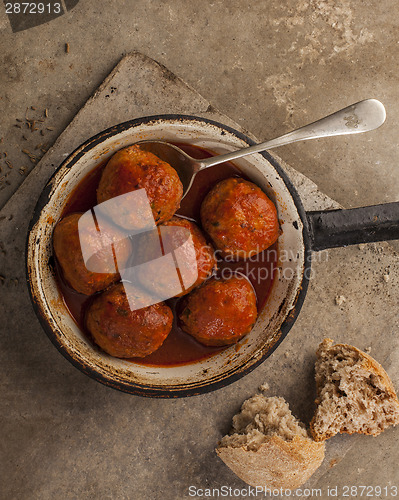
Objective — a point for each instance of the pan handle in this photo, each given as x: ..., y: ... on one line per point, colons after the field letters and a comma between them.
x: 339, y: 228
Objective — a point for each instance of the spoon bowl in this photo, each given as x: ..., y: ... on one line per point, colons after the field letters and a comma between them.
x: 185, y: 166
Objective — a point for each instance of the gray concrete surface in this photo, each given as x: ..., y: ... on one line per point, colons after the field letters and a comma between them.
x: 44, y: 401
x: 270, y: 68
x: 270, y: 65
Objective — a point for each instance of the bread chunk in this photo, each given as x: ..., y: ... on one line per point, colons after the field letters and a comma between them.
x: 268, y: 446
x: 354, y: 393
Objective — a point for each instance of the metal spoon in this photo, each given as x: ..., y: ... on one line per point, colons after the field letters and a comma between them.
x: 360, y: 117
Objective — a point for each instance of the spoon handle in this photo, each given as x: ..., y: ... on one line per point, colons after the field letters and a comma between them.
x: 360, y: 117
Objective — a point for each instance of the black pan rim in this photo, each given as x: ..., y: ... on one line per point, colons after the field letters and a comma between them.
x: 149, y: 391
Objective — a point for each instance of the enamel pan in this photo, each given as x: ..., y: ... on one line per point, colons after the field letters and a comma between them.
x: 302, y: 233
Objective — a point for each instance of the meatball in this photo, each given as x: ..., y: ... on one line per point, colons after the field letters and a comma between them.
x: 220, y: 312
x: 156, y: 186
x: 240, y: 218
x: 124, y: 326
x: 90, y: 252
x: 178, y: 259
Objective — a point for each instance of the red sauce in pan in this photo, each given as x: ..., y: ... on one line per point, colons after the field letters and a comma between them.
x: 179, y: 348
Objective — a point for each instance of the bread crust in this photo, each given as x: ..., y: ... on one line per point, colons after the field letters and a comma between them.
x: 277, y: 463
x: 369, y: 364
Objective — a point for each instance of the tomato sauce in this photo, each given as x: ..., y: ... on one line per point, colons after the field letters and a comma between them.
x: 179, y: 348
